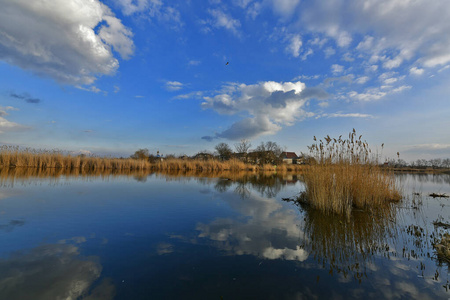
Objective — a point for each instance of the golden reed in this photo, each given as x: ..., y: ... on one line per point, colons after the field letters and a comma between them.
x: 346, y: 175
x: 13, y: 157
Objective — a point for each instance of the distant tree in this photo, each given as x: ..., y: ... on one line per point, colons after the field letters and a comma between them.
x: 401, y: 163
x: 446, y: 163
x: 203, y: 155
x: 242, y: 148
x: 141, y: 154
x: 436, y: 163
x: 269, y: 153
x: 224, y: 151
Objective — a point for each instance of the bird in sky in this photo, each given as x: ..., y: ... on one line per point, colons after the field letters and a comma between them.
x: 227, y: 63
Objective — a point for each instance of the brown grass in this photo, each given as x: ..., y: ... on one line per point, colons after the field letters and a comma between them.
x: 346, y: 175
x: 13, y: 157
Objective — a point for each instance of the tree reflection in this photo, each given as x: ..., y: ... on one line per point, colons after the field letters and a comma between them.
x: 266, y: 184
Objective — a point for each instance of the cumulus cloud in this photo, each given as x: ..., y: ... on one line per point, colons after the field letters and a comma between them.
x: 268, y: 105
x: 67, y: 40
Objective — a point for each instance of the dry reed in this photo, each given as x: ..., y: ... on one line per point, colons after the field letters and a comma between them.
x: 13, y: 157
x: 346, y: 175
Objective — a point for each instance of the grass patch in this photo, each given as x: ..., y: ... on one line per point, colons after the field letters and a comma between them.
x: 346, y: 175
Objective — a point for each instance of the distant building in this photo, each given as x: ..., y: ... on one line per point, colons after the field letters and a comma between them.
x: 290, y: 158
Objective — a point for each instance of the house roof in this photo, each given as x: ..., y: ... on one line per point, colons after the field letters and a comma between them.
x: 289, y: 155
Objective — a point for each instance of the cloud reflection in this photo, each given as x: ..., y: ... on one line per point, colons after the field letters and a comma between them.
x: 53, y: 271
x: 267, y: 230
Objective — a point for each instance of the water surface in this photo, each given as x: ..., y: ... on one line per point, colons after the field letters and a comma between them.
x: 167, y: 237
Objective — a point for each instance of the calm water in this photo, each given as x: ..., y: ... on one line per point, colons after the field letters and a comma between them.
x: 162, y: 237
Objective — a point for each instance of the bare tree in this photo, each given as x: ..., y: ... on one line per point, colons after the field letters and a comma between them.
x: 224, y: 151
x: 242, y: 149
x: 243, y: 146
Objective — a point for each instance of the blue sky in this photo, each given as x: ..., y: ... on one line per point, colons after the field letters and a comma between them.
x: 113, y: 76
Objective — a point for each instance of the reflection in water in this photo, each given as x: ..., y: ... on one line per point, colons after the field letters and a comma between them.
x: 175, y: 237
x: 11, y: 225
x: 266, y: 184
x: 268, y: 231
x: 53, y: 271
x: 440, y: 179
x: 348, y: 245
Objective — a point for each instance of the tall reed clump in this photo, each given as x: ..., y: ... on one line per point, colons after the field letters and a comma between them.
x: 346, y: 174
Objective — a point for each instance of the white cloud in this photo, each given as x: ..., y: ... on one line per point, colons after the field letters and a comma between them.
x: 307, y: 53
x: 362, y: 79
x: 130, y: 7
x: 294, y: 46
x: 285, y: 7
x: 329, y: 51
x: 195, y: 95
x: 394, y: 32
x: 223, y: 20
x: 347, y: 57
x: 194, y: 62
x: 372, y: 94
x: 174, y: 85
x: 269, y: 106
x: 242, y: 3
x: 151, y: 8
x: 8, y: 126
x: 348, y: 115
x: 67, y: 40
x: 416, y: 71
x: 337, y: 69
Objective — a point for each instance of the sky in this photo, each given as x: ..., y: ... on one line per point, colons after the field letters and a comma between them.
x: 113, y: 76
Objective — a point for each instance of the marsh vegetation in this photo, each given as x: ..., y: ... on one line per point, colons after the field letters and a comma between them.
x: 346, y: 175
x: 14, y: 157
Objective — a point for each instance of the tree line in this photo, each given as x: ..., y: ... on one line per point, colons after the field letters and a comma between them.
x: 265, y: 153
x: 435, y: 163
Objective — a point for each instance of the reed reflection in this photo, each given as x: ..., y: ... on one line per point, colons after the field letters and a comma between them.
x: 348, y: 246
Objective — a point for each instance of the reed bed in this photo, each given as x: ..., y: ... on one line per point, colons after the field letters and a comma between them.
x: 346, y: 175
x: 14, y: 157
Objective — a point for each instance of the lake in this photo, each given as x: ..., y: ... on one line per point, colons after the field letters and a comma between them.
x: 176, y: 237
